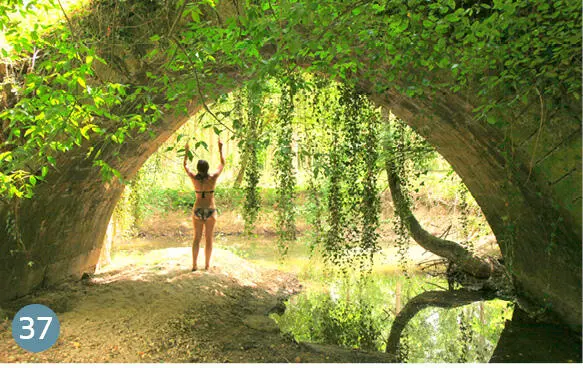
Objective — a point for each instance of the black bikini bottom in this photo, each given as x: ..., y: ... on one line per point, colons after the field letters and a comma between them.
x: 204, y: 213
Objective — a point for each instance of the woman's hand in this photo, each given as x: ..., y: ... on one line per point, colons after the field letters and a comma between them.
x: 186, y: 150
x: 222, y: 164
x: 185, y: 162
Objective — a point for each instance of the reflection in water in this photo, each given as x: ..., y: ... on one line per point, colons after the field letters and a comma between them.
x: 359, y: 314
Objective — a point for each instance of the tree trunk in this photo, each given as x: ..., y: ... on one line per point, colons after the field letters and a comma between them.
x: 453, y: 251
x: 241, y: 173
x: 441, y: 299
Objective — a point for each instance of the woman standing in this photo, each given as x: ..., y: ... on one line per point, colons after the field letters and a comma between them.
x: 204, y: 210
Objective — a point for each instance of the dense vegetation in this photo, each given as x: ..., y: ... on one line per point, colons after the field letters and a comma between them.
x: 284, y: 82
x: 55, y: 99
x: 331, y: 152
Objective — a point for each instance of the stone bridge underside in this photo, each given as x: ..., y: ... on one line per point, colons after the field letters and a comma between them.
x: 536, y: 216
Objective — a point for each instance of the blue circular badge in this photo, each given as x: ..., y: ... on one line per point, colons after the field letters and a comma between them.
x: 35, y: 328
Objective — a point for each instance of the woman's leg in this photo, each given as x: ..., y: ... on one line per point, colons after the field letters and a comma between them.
x: 208, y: 237
x: 198, y: 225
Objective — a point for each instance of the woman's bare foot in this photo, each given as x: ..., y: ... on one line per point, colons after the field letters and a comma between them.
x: 194, y: 269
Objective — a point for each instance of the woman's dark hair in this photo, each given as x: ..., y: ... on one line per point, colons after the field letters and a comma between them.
x: 203, y: 170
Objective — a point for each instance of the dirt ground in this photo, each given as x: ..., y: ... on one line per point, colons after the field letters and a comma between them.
x: 160, y: 311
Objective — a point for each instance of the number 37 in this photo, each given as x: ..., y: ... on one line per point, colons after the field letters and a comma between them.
x: 30, y: 327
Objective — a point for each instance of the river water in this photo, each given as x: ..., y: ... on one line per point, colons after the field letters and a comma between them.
x: 356, y: 311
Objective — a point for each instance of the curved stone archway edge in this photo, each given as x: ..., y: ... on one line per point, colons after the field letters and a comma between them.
x: 534, y: 212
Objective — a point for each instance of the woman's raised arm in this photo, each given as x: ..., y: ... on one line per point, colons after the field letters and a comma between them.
x: 222, y: 164
x: 184, y: 163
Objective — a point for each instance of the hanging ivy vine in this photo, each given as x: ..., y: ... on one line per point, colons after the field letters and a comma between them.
x: 404, y: 350
x: 335, y: 243
x: 466, y: 336
x: 353, y: 197
x: 284, y: 169
x: 398, y: 153
x: 370, y: 208
x: 250, y: 146
x: 351, y: 104
x: 312, y: 148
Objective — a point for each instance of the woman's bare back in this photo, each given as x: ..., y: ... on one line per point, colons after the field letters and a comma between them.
x: 204, y: 190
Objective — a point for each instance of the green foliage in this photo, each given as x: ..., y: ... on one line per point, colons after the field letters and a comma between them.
x: 508, y: 48
x: 411, y: 156
x: 335, y: 242
x: 284, y: 170
x: 56, y: 103
x: 401, y: 142
x: 346, y: 320
x: 465, y: 337
x: 352, y: 172
x: 169, y: 199
x: 370, y: 203
x: 358, y: 313
x: 310, y: 151
x: 404, y: 350
x: 251, y: 148
x: 348, y: 323
x: 351, y: 105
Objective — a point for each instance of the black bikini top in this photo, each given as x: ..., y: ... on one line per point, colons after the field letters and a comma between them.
x: 204, y: 191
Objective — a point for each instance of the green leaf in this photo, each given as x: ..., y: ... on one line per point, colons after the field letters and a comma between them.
x: 6, y: 156
x: 155, y: 37
x: 81, y: 82
x: 14, y: 191
x: 30, y: 130
x: 400, y: 25
x: 201, y: 143
x: 101, y: 60
x: 152, y: 53
x: 85, y: 129
x: 443, y: 63
x: 195, y: 16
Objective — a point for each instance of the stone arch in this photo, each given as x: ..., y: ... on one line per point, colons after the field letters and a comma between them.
x: 533, y: 211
